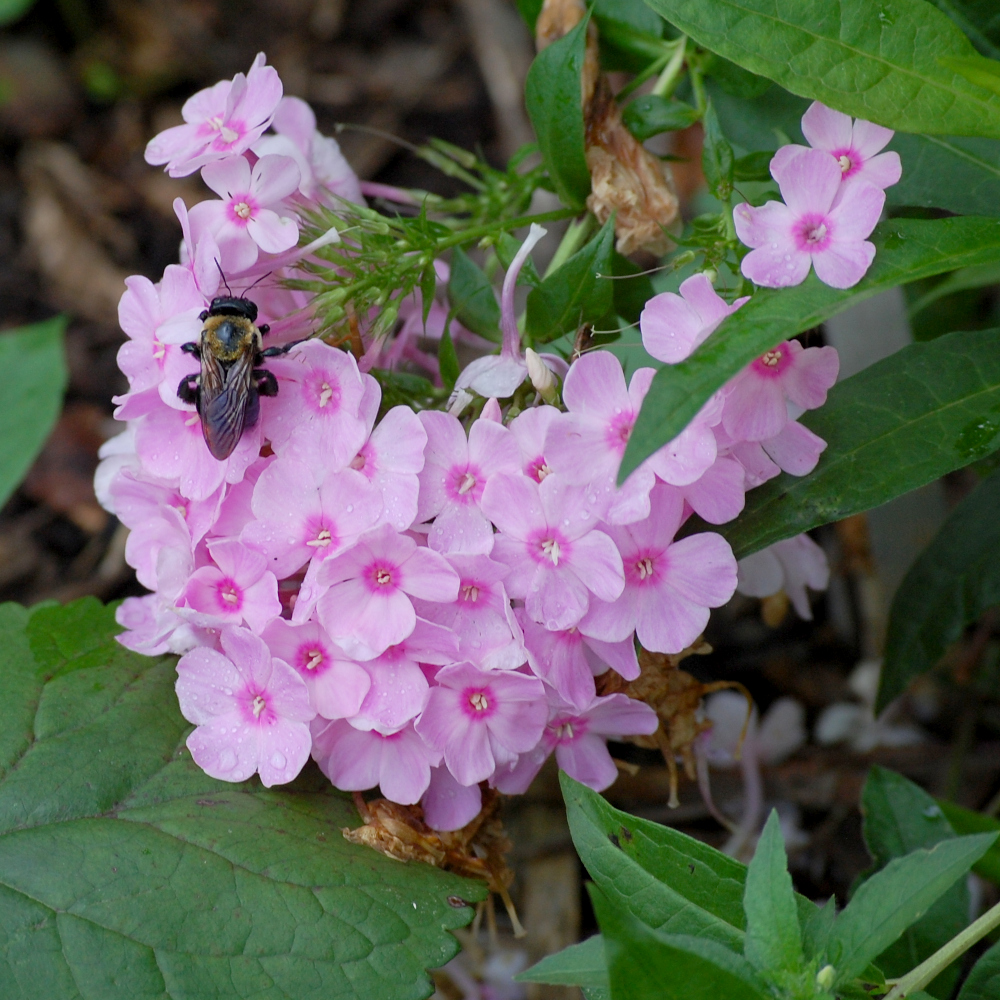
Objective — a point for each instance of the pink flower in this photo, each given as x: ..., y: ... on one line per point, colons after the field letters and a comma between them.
x: 530, y: 428
x: 251, y: 711
x: 669, y: 586
x: 789, y: 565
x: 155, y: 628
x: 354, y: 760
x: 337, y: 686
x: 854, y: 145
x: 455, y: 474
x: 674, y: 325
x: 481, y: 617
x: 819, y: 225
x: 448, y: 805
x: 795, y: 450
x: 480, y: 719
x: 755, y: 407
x: 220, y: 121
x: 392, y: 457
x: 720, y: 494
x: 321, y: 164
x: 568, y: 661
x: 366, y: 605
x: 305, y: 513
x: 579, y: 740
x: 237, y: 589
x: 137, y: 503
x: 320, y: 397
x: 548, y: 539
x: 244, y: 221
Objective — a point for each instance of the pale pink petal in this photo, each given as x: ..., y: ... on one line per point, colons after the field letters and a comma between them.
x: 443, y: 721
x: 260, y: 603
x: 586, y: 759
x: 617, y: 715
x: 856, y: 213
x: 610, y: 622
x: 429, y: 576
x: 812, y: 372
x: 843, y: 265
x: 718, y: 496
x: 295, y: 119
x: 760, y: 574
x: 406, y: 767
x: 620, y: 656
x: 868, y: 139
x: 702, y: 568
x: 810, y: 182
x: 397, y: 694
x: 226, y: 747
x: 781, y: 267
x: 796, y: 450
x: 559, y: 600
x: 284, y: 750
x: 227, y: 177
x: 827, y: 129
x: 755, y: 408
x: 472, y: 760
x: 670, y: 327
x: 762, y: 227
x: 784, y: 156
x: 883, y: 170
x: 340, y: 691
x: 596, y: 385
x: 448, y: 805
x: 596, y: 561
x: 271, y: 232
x: 462, y: 530
x: 350, y: 758
x: 513, y: 504
x: 274, y: 178
x: 203, y: 677
x: 667, y: 622
x: 577, y: 446
x: 493, y: 448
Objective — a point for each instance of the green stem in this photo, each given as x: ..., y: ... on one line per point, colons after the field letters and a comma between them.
x: 926, y: 971
x: 698, y: 86
x: 574, y: 238
x: 640, y: 78
x: 671, y: 74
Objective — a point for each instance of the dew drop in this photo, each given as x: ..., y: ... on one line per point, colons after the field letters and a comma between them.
x: 278, y: 759
x: 350, y: 508
x: 227, y: 760
x: 229, y: 692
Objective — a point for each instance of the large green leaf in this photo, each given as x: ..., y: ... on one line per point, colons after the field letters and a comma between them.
x: 984, y: 979
x: 907, y: 420
x: 553, y: 98
x: 471, y: 296
x: 881, y: 62
x: 580, y: 964
x: 954, y: 580
x: 774, y: 940
x: 31, y: 392
x: 907, y: 249
x: 896, y: 897
x: 576, y: 292
x: 965, y: 820
x: 900, y: 817
x: 645, y: 964
x: 126, y: 873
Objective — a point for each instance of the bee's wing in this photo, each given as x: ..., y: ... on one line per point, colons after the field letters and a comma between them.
x: 224, y: 398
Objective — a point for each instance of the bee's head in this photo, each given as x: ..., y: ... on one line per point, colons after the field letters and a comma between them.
x: 231, y: 305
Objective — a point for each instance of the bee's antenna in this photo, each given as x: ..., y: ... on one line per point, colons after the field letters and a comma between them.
x: 257, y: 282
x: 221, y: 275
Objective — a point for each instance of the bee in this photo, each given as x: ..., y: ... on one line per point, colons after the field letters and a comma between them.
x: 228, y: 388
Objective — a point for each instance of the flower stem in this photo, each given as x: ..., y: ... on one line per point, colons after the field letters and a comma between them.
x: 671, y: 74
x: 574, y: 237
x: 918, y: 978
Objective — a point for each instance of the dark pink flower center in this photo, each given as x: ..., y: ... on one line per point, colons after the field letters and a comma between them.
x: 566, y: 729
x: 619, y: 431
x: 321, y: 536
x: 241, y: 208
x: 774, y: 362
x: 538, y: 469
x: 312, y: 659
x: 813, y: 232
x: 364, y: 462
x: 469, y: 592
x: 256, y: 707
x: 549, y: 548
x: 229, y: 595
x: 464, y: 484
x: 323, y: 393
x: 381, y: 578
x: 849, y: 161
x: 646, y: 567
x: 478, y: 702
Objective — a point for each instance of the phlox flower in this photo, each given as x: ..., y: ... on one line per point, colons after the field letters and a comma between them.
x: 568, y: 661
x: 223, y: 120
x: 137, y: 502
x: 337, y: 686
x: 794, y: 450
x: 479, y: 719
x: 789, y: 565
x: 305, y: 513
x: 320, y: 396
x: 548, y: 539
x: 251, y: 709
x: 669, y: 586
x: 481, y: 617
x: 157, y: 319
x: 354, y: 760
x: 364, y: 594
x: 530, y: 428
x: 321, y: 164
x: 238, y: 588
x: 579, y: 739
x: 856, y: 146
x: 456, y: 472
x: 755, y: 408
x: 244, y: 221
x: 673, y: 325
x: 392, y: 457
x: 447, y: 805
x: 154, y: 627
x: 162, y: 531
x: 199, y: 257
x: 719, y: 494
x: 819, y: 225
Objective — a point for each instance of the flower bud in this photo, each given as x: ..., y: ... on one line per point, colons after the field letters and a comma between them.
x: 825, y: 977
x: 541, y: 376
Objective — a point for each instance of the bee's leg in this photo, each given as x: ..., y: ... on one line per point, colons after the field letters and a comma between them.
x: 264, y: 329
x: 192, y: 348
x: 188, y: 391
x: 273, y: 352
x: 265, y: 382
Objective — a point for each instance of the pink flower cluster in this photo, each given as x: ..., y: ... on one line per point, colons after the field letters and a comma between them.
x: 833, y: 192
x: 420, y: 603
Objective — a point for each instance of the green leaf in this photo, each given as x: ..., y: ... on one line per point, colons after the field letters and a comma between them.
x: 552, y: 95
x: 471, y: 297
x: 737, y: 81
x: 580, y: 964
x: 882, y: 63
x: 645, y: 964
x: 907, y: 249
x: 573, y: 294
x: 968, y: 821
x: 979, y: 19
x: 774, y: 940
x: 816, y: 929
x: 964, y: 280
x: 651, y: 114
x: 983, y: 982
x: 634, y: 14
x: 126, y: 872
x: 900, y: 817
x: 753, y: 167
x: 11, y: 10
x: 668, y: 880
x: 717, y: 157
x: 506, y: 250
x: 905, y: 421
x: 954, y: 580
x: 896, y: 897
x: 31, y: 392
x: 447, y: 359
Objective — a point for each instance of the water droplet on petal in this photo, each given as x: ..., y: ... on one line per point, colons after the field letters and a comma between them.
x: 278, y: 760
x: 227, y: 760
